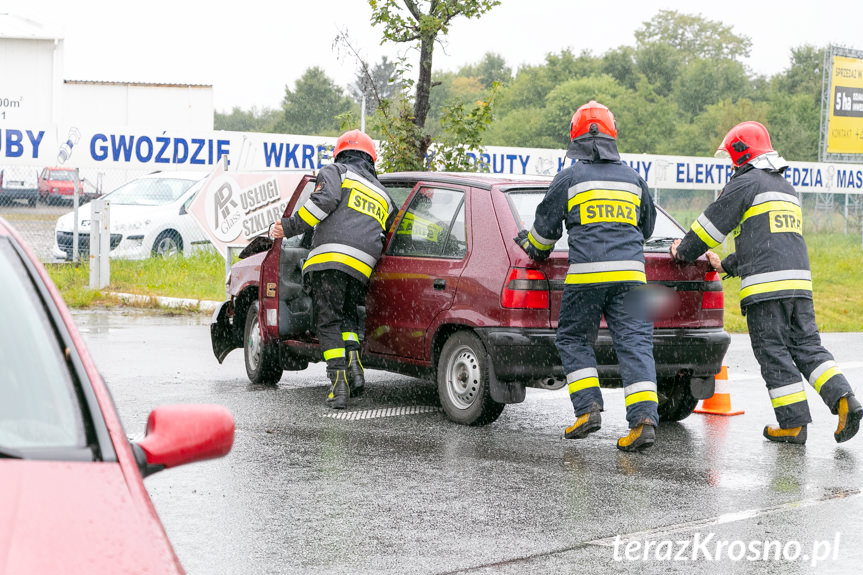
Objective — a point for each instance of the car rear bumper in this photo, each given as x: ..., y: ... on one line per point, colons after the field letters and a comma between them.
x: 530, y: 355
x: 19, y: 193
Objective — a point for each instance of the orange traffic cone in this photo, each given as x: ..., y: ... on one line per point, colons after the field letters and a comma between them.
x: 720, y: 402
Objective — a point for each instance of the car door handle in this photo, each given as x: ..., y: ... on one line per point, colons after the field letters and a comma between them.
x: 439, y: 284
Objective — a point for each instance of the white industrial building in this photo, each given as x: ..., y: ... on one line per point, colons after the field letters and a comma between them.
x: 34, y: 90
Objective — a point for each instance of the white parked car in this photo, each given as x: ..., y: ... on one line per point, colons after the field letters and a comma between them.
x: 148, y: 218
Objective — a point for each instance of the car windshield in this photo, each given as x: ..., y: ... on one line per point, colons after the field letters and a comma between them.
x: 38, y: 404
x: 61, y: 176
x: 524, y: 203
x: 150, y: 191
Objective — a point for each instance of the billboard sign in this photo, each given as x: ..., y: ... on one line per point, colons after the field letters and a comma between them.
x: 843, y: 101
x: 233, y: 208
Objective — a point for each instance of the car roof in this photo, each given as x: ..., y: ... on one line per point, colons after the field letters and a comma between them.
x: 483, y: 180
x: 175, y: 174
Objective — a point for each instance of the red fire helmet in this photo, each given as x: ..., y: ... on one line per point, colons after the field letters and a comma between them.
x: 355, y: 140
x: 592, y: 113
x: 745, y: 142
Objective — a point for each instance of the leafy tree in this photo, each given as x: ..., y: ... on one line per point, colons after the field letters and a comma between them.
x: 563, y: 101
x: 378, y: 83
x: 704, y: 82
x: 703, y: 136
x: 418, y: 23
x: 266, y: 120
x: 314, y: 104
x: 620, y: 64
x: 492, y: 68
x: 646, y: 121
x: 693, y: 37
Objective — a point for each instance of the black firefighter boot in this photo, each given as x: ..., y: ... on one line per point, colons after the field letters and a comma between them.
x: 340, y: 391
x: 355, y: 373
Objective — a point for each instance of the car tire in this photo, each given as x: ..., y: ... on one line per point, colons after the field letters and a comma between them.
x: 676, y: 402
x: 262, y: 358
x: 463, y: 382
x: 168, y: 243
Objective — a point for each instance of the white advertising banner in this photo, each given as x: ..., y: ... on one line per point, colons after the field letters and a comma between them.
x: 150, y: 149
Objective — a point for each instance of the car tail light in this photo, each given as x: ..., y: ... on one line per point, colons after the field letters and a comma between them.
x: 525, y: 289
x: 713, y: 296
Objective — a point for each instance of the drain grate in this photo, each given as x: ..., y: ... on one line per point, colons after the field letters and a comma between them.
x: 384, y: 412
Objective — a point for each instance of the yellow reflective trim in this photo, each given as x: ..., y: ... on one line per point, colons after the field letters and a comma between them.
x: 641, y: 396
x: 824, y: 377
x: 783, y: 285
x: 788, y: 399
x: 583, y: 384
x: 368, y: 205
x: 350, y: 336
x: 347, y: 260
x: 334, y: 353
x: 703, y: 235
x: 604, y: 277
x: 307, y: 217
x: 770, y: 206
x: 538, y: 245
x: 357, y: 185
x: 582, y: 197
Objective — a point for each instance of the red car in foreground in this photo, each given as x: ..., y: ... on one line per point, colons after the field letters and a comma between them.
x: 454, y: 299
x: 72, y: 496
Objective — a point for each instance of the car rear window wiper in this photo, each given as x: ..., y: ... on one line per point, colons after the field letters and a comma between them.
x: 10, y: 453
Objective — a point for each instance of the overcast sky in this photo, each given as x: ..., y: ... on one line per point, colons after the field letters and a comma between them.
x: 250, y: 50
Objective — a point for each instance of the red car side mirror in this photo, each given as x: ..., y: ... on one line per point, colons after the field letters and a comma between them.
x: 180, y: 434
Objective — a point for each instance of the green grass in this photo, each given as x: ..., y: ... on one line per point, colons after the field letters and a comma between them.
x: 200, y: 276
x: 837, y: 274
x: 836, y: 261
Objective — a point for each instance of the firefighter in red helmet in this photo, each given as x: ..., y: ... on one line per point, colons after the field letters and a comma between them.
x: 763, y: 211
x: 350, y: 212
x: 607, y: 211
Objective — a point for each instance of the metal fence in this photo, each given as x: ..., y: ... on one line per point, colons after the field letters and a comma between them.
x: 148, y: 216
x: 152, y: 221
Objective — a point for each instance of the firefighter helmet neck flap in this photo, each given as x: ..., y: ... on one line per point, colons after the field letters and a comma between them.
x: 593, y: 134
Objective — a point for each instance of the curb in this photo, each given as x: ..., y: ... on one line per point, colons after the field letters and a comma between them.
x: 170, y: 302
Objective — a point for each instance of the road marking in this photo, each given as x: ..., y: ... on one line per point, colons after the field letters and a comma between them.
x: 384, y: 412
x: 724, y: 518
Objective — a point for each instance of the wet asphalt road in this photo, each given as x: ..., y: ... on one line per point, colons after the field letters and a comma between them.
x: 384, y: 492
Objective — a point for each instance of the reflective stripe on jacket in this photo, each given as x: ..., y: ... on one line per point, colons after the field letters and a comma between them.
x: 762, y: 211
x: 608, y: 212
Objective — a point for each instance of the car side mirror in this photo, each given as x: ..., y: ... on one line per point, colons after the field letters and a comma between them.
x: 180, y: 434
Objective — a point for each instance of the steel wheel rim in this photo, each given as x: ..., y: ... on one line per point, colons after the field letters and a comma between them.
x: 463, y: 378
x: 167, y: 247
x: 254, y: 346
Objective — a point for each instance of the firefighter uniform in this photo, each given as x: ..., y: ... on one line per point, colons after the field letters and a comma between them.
x: 350, y: 212
x: 608, y: 213
x: 762, y: 211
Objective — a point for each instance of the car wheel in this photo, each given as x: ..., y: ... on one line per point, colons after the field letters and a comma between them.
x: 168, y: 243
x: 262, y: 358
x: 675, y: 399
x: 462, y: 379
x: 32, y: 202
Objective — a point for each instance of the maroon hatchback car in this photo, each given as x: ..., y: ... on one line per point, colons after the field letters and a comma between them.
x: 454, y: 299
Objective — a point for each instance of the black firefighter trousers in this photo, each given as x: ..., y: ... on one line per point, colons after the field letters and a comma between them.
x: 786, y: 343
x: 336, y: 296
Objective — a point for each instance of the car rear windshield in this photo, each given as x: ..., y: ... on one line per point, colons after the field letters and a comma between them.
x: 150, y: 191
x: 524, y: 203
x: 38, y: 404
